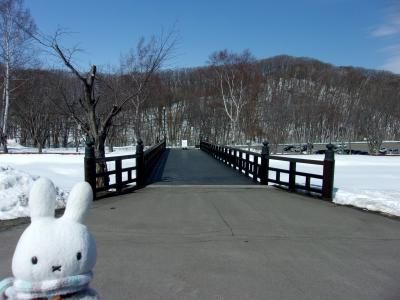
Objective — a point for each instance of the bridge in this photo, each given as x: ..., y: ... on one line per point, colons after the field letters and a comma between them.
x: 203, y: 226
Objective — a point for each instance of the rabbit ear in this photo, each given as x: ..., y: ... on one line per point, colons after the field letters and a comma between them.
x: 42, y: 199
x: 79, y: 201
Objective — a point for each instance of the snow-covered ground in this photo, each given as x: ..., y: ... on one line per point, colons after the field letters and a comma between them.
x: 370, y: 182
x: 18, y: 172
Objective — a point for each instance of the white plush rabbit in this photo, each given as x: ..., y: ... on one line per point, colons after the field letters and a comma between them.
x: 54, y: 258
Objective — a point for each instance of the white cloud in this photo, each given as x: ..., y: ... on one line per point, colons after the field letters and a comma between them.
x: 392, y: 64
x: 391, y: 49
x: 391, y: 26
x: 385, y: 30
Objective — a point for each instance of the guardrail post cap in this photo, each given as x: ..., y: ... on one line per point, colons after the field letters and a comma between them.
x: 329, y: 153
x: 139, y: 146
x: 89, y: 141
x: 89, y: 149
x: 265, y: 148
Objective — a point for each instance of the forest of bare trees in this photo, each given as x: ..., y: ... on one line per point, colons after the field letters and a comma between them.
x: 281, y: 99
x: 234, y: 98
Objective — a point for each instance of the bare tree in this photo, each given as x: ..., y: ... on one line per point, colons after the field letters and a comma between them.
x: 94, y: 122
x: 32, y: 106
x: 16, y: 27
x: 138, y: 68
x: 233, y: 77
x: 94, y: 116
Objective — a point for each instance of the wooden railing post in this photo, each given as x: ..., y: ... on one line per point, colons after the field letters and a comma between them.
x: 292, y: 176
x: 264, y: 169
x: 235, y: 159
x: 140, y: 166
x: 90, y: 165
x: 240, y: 161
x: 118, y: 174
x: 328, y: 173
x: 247, y: 166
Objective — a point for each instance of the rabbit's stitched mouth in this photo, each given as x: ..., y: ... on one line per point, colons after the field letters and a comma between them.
x: 56, y: 268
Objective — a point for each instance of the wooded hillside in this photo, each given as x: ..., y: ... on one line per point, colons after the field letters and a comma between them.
x: 282, y: 99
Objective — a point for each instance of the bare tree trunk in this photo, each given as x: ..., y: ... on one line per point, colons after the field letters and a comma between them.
x: 100, y: 152
x: 6, y: 96
x: 40, y: 148
x: 76, y: 139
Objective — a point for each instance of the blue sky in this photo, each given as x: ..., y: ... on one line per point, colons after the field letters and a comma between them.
x: 361, y: 33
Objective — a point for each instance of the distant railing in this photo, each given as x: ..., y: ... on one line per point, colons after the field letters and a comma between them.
x: 258, y: 167
x: 113, y: 166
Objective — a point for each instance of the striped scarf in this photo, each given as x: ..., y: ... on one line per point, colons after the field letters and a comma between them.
x: 11, y: 288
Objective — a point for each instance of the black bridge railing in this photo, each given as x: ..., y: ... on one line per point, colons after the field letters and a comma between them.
x: 99, y: 172
x: 258, y: 167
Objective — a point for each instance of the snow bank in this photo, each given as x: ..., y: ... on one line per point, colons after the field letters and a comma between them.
x: 18, y: 171
x: 14, y: 192
x: 382, y: 201
x: 63, y: 170
x: 369, y: 182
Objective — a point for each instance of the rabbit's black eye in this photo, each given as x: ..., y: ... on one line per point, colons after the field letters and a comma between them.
x: 78, y: 256
x: 34, y: 260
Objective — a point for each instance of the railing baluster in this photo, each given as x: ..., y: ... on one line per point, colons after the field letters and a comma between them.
x: 235, y: 159
x: 247, y: 166
x: 240, y: 161
x: 308, y: 182
x: 292, y: 176
x: 118, y: 174
x: 255, y: 168
x: 328, y: 173
x: 264, y: 164
x: 140, y: 166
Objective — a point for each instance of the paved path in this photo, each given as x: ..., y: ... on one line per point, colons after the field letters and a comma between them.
x: 195, y: 167
x: 237, y: 242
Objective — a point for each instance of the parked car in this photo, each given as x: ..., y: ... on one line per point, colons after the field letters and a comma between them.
x: 359, y: 152
x: 288, y: 148
x: 345, y: 151
x: 300, y: 148
x: 383, y: 151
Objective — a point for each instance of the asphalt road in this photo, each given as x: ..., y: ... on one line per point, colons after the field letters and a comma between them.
x: 236, y: 242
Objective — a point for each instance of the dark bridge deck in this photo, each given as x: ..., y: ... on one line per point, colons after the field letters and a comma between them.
x: 195, y: 167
